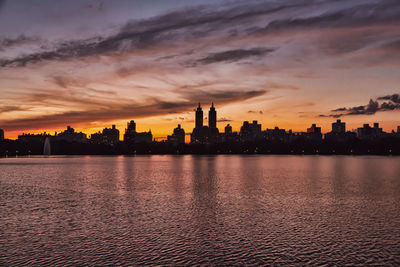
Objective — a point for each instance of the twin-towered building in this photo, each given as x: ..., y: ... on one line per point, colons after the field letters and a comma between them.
x: 205, y: 134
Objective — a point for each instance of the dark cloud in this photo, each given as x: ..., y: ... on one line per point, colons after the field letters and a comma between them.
x: 339, y: 109
x: 32, y: 58
x: 5, y: 109
x: 20, y: 40
x: 371, y: 108
x: 324, y: 20
x: 221, y: 97
x: 103, y: 110
x: 255, y: 112
x: 65, y: 82
x: 394, y: 98
x: 223, y: 120
x: 202, y: 21
x: 235, y: 55
x: 358, y: 15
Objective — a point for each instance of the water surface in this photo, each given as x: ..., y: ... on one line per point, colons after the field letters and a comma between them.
x: 200, y: 209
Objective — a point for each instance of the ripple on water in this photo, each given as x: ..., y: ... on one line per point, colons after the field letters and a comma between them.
x: 223, y: 210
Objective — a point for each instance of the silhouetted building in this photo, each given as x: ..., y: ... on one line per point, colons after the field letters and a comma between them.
x: 33, y: 138
x: 367, y: 132
x: 130, y: 132
x: 144, y: 137
x: 228, y: 129
x: 314, y: 133
x: 203, y: 134
x: 213, y: 132
x: 229, y: 136
x: 250, y: 131
x: 111, y: 135
x: 212, y: 117
x: 69, y: 135
x: 177, y: 137
x: 339, y: 127
x: 314, y: 129
x: 199, y: 118
x: 339, y: 134
x: 133, y: 137
x: 1, y: 134
x: 277, y: 134
x: 398, y: 129
x: 97, y: 138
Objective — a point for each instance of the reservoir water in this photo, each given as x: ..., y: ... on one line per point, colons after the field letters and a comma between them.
x: 215, y: 210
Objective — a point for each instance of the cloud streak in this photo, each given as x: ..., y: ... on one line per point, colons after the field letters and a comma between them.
x: 235, y: 55
x: 5, y: 109
x: 255, y: 111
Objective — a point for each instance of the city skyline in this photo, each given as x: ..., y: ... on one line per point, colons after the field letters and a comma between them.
x: 206, y: 138
x: 202, y: 132
x: 94, y: 63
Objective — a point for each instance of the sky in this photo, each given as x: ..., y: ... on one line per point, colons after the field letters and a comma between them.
x: 286, y: 63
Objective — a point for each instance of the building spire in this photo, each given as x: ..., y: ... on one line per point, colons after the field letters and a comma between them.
x: 212, y: 117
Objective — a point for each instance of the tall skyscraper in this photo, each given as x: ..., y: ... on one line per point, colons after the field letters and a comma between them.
x: 1, y: 134
x: 199, y: 117
x: 212, y: 117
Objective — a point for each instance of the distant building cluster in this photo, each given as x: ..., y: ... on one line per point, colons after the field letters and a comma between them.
x: 109, y: 136
x: 69, y: 135
x: 250, y: 132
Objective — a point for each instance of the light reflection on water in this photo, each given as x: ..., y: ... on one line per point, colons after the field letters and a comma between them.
x: 200, y: 209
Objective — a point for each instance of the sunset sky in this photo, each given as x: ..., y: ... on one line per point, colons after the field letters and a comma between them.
x: 286, y: 63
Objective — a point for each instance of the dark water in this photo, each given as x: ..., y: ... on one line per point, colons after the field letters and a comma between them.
x: 196, y: 209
